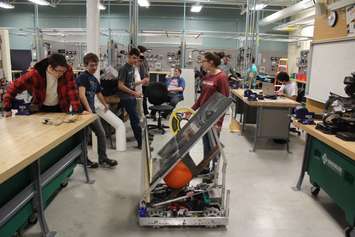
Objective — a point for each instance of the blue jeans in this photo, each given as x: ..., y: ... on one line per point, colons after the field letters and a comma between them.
x: 130, y: 105
x: 174, y: 99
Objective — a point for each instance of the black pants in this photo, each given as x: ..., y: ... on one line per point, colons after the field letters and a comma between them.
x: 145, y: 98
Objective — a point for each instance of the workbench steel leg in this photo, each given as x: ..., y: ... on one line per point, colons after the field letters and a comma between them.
x: 38, y: 200
x: 304, y: 164
x: 84, y: 154
x: 288, y: 134
x: 234, y: 113
x: 241, y: 111
x: 258, y: 126
x: 245, y: 115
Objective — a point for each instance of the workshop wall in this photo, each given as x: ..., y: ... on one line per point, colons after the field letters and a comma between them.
x: 154, y: 18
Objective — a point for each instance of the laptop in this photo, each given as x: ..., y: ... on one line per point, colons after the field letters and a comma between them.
x: 268, y: 89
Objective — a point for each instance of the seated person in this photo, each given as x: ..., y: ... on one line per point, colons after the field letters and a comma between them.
x: 289, y: 88
x: 175, y: 86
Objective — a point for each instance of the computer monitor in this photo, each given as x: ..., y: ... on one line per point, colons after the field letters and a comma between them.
x: 20, y: 59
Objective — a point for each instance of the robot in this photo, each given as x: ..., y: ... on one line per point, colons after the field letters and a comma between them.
x: 175, y: 190
x: 339, y: 118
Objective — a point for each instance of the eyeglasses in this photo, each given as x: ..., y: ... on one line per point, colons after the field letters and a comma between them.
x: 59, y: 71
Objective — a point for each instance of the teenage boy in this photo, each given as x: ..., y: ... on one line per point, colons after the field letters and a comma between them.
x: 128, y: 94
x: 176, y: 87
x: 289, y: 88
x: 89, y: 86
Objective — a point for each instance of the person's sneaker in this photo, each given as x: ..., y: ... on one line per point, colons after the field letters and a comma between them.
x: 108, y: 163
x: 139, y: 147
x: 92, y: 164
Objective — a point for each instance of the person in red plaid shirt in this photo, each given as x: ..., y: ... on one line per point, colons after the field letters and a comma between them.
x: 50, y: 83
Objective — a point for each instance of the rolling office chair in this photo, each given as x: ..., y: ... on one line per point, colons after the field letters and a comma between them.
x: 300, y: 99
x: 158, y: 95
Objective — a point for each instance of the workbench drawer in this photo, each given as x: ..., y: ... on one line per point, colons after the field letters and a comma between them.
x: 335, y: 174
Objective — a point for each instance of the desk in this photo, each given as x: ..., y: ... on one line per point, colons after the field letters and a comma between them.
x: 35, y: 161
x: 330, y: 164
x: 272, y: 116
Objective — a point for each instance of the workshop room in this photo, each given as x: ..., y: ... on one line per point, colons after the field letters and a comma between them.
x: 177, y: 118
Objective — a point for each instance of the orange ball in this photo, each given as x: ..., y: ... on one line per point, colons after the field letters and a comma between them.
x: 179, y: 176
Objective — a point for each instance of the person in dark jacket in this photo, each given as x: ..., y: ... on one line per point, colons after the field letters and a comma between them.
x: 50, y: 83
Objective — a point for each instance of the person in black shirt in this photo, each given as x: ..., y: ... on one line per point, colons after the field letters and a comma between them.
x: 128, y: 95
x: 89, y: 86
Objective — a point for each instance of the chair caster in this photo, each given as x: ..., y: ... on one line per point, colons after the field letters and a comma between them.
x: 315, y: 191
x: 349, y: 231
x: 33, y: 219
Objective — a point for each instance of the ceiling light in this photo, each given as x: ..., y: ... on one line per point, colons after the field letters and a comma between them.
x: 143, y: 3
x: 40, y: 2
x: 306, y: 19
x: 102, y: 6
x: 196, y: 8
x: 6, y: 5
x: 258, y: 7
x: 287, y: 12
x: 340, y: 4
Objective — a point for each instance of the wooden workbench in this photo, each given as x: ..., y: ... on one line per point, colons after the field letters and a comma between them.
x: 279, y: 102
x: 25, y: 139
x: 345, y: 147
x: 35, y: 161
x: 270, y: 116
x: 330, y: 164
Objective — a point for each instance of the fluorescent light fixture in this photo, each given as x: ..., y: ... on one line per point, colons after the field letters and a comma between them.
x: 6, y: 5
x: 143, y: 3
x: 102, y: 6
x: 306, y: 19
x: 196, y: 8
x: 287, y: 12
x: 40, y: 2
x: 340, y: 4
x: 259, y: 7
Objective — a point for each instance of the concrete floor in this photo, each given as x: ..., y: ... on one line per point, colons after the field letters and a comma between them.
x: 262, y: 201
